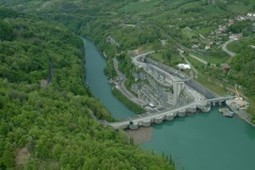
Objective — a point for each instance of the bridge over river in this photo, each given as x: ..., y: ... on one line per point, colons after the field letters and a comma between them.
x: 157, y: 117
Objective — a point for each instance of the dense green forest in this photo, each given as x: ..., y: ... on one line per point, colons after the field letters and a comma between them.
x: 45, y: 108
x: 35, y: 87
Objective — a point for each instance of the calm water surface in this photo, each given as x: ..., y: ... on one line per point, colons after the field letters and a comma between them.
x: 199, y: 142
x: 98, y: 83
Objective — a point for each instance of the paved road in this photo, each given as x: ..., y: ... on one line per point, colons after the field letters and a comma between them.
x: 138, y: 63
x: 224, y: 47
x: 121, y: 86
x: 198, y: 59
x: 111, y: 40
x: 136, y: 59
x: 149, y: 117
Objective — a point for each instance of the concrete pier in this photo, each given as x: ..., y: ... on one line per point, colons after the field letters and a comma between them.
x: 170, y: 117
x: 182, y: 112
x: 133, y: 126
x: 192, y: 109
x: 146, y: 123
x: 147, y: 119
x: 158, y: 119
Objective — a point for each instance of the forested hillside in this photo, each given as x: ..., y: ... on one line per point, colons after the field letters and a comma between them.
x: 190, y: 25
x: 244, y: 67
x: 45, y: 109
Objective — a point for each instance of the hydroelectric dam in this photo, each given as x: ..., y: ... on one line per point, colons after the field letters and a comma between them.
x: 147, y: 119
x: 165, y: 77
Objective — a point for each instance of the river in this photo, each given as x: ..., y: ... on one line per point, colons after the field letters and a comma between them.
x: 205, y: 141
x: 98, y: 83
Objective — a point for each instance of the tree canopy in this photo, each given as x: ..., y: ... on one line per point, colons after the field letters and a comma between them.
x: 45, y: 109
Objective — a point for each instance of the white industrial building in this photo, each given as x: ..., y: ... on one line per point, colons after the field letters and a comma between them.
x: 182, y: 66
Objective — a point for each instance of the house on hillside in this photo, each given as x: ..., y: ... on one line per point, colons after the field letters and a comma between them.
x: 236, y: 36
x: 250, y: 16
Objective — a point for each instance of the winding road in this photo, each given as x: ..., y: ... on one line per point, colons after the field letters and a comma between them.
x: 121, y: 86
x: 224, y: 47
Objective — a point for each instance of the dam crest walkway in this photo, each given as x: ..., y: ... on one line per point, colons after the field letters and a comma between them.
x: 148, y: 118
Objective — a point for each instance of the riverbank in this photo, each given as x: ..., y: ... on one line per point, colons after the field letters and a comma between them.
x: 245, y: 116
x: 128, y: 103
x: 139, y: 136
x: 242, y: 114
x: 123, y: 94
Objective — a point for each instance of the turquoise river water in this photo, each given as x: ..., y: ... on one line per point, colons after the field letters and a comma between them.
x: 204, y: 141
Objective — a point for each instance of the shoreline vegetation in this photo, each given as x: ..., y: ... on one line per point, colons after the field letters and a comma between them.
x: 128, y: 103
